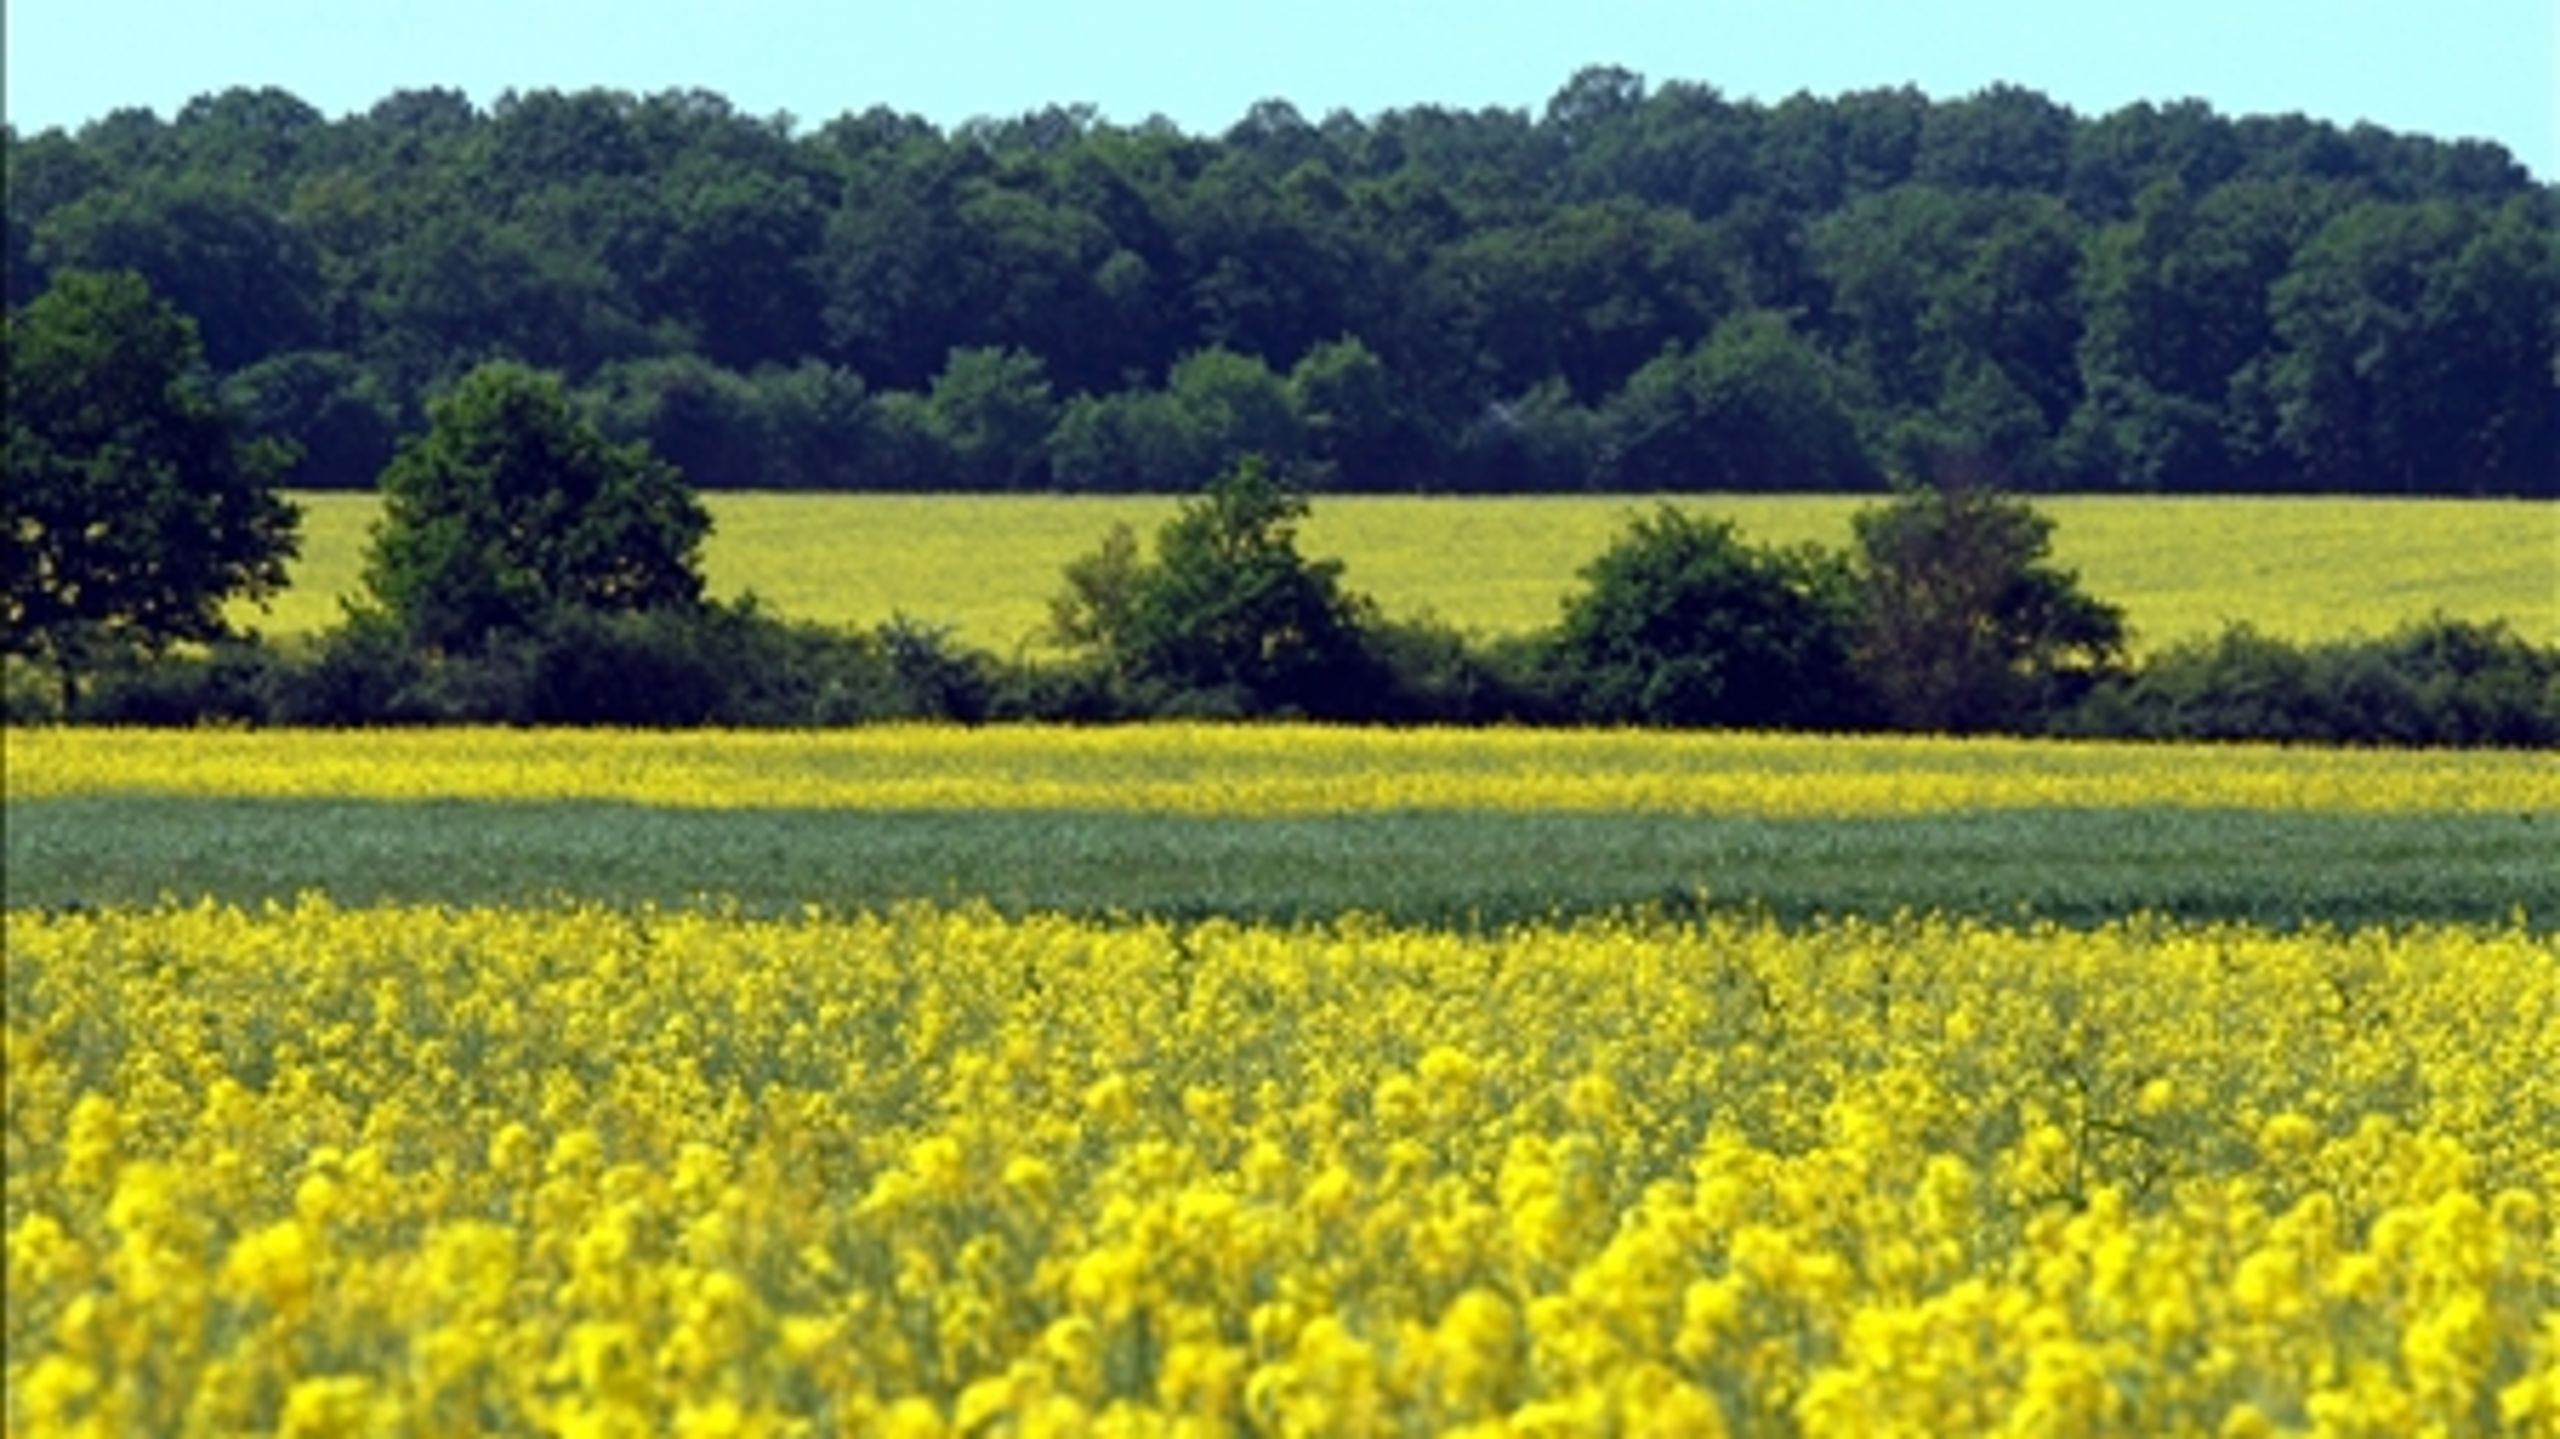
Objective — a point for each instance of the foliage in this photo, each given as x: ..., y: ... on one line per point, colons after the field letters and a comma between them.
x: 1227, y: 614
x: 2440, y: 682
x: 221, y: 254
x: 1962, y: 625
x: 512, y: 509
x: 136, y: 505
x: 1753, y: 408
x: 2418, y: 350
x: 1682, y: 623
x: 332, y: 412
x: 993, y: 409
x: 2158, y: 298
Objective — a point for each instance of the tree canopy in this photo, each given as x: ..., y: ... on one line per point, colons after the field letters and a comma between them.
x: 1683, y: 623
x: 512, y: 509
x: 137, y: 506
x: 1964, y: 626
x: 2160, y: 297
x: 1227, y: 611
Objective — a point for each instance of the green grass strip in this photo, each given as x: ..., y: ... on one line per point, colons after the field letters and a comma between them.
x: 2070, y: 865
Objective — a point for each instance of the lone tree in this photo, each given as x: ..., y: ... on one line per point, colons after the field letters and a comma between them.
x: 1228, y: 613
x: 1963, y: 626
x: 136, y: 505
x: 511, y: 509
x: 1684, y: 624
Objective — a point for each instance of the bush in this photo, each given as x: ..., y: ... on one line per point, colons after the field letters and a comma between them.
x: 28, y: 695
x: 232, y: 682
x: 653, y: 668
x: 2441, y: 682
x: 936, y: 677
x: 513, y: 507
x: 1684, y: 624
x: 1228, y: 619
x: 1963, y: 626
x: 363, y: 672
x: 1431, y: 674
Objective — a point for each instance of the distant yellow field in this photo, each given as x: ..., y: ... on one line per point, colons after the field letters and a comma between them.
x: 1269, y: 770
x: 2181, y: 567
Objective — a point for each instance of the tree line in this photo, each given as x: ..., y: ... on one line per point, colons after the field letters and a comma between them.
x: 1637, y: 288
x: 530, y: 569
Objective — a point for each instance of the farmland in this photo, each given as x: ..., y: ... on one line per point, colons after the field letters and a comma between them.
x: 1541, y: 961
x: 439, y: 1170
x: 1278, y: 1080
x: 2299, y: 568
x: 1284, y: 822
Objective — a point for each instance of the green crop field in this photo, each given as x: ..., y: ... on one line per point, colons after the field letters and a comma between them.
x: 987, y: 565
x: 1284, y: 822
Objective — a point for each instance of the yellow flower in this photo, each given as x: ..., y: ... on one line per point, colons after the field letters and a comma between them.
x: 1202, y: 1378
x: 1111, y: 1101
x: 939, y: 1167
x: 913, y: 1418
x: 89, y: 1147
x: 51, y: 1389
x: 2245, y: 1420
x: 2157, y: 1098
x: 273, y: 1265
x: 2288, y: 1137
x: 328, y: 1407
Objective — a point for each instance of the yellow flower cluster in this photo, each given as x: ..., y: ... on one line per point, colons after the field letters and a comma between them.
x: 1261, y: 770
x: 321, y: 1171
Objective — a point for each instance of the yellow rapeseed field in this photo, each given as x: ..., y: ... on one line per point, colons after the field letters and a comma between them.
x: 314, y: 1171
x: 2182, y: 567
x: 1264, y: 770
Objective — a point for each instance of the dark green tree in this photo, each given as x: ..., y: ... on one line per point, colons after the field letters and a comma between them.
x: 1930, y: 251
x: 995, y: 410
x: 1540, y: 441
x: 459, y: 290
x: 1140, y: 441
x: 704, y: 420
x: 1355, y: 421
x: 2001, y: 137
x: 327, y: 407
x: 1236, y: 406
x: 1275, y: 266
x: 735, y: 266
x: 1754, y: 408
x: 1227, y: 615
x: 1589, y: 292
x: 1963, y: 625
x: 512, y: 508
x: 2418, y: 351
x: 246, y: 275
x: 1682, y: 623
x: 2176, y: 325
x: 136, y: 507
x: 2117, y: 156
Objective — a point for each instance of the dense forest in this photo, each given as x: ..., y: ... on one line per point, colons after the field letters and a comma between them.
x: 1638, y: 288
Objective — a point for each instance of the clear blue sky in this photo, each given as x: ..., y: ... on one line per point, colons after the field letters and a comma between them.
x: 2485, y: 68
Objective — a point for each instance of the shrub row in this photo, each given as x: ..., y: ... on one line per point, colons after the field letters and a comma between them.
x: 2441, y: 682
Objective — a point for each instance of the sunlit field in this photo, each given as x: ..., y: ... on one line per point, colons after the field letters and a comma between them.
x: 2181, y: 567
x: 1287, y: 1080
x: 311, y: 1170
